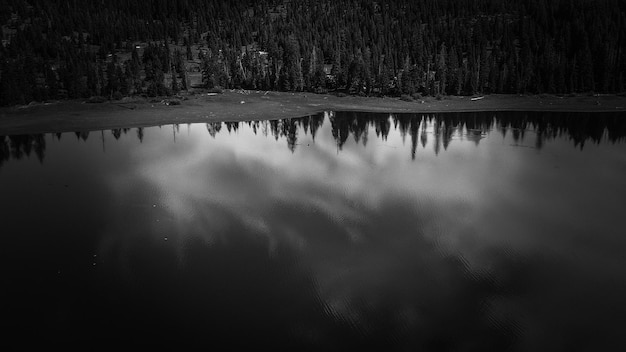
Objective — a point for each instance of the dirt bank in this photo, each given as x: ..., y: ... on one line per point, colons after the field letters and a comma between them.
x: 257, y: 105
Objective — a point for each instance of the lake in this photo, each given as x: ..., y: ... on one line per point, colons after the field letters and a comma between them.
x: 339, y: 231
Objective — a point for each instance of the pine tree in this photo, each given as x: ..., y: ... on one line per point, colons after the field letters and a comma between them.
x: 442, y: 69
x: 175, y: 88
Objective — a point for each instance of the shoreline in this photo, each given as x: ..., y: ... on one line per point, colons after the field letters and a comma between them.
x: 240, y: 105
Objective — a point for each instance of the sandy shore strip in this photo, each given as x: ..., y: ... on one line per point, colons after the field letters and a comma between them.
x: 239, y: 105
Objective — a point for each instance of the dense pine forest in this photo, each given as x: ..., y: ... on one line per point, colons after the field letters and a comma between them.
x: 58, y: 49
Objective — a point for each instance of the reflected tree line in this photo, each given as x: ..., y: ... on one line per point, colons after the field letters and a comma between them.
x: 19, y: 146
x: 580, y: 128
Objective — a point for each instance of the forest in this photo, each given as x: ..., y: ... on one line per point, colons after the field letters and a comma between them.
x: 99, y: 50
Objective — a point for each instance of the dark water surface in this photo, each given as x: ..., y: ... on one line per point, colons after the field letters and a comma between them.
x: 343, y: 231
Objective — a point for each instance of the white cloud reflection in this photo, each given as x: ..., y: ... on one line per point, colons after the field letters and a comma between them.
x: 246, y: 174
x: 369, y: 223
x: 325, y: 202
x: 351, y: 214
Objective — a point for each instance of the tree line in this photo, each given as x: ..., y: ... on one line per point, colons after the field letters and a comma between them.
x: 78, y: 49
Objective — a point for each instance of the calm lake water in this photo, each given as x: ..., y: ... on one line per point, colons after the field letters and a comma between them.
x: 341, y: 231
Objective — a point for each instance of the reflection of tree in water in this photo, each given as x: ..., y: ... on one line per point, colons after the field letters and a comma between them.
x: 382, y: 126
x: 18, y: 146
x: 84, y: 135
x: 447, y: 132
x: 357, y: 123
x: 437, y: 133
x: 305, y: 122
x: 290, y: 130
x: 315, y: 123
x: 474, y: 126
x: 283, y: 128
x: 232, y: 126
x: 275, y: 128
x: 213, y: 128
x: 4, y: 150
x: 140, y: 134
x: 340, y: 125
x: 117, y: 133
x: 414, y: 126
x: 580, y: 128
x: 424, y: 136
x: 254, y: 125
x: 402, y: 124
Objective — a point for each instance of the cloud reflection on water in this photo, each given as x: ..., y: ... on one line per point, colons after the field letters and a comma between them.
x: 339, y: 210
x: 372, y: 225
x: 440, y: 231
x: 369, y: 225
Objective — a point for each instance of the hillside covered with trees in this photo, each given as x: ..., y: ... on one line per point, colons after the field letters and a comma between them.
x: 57, y: 49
